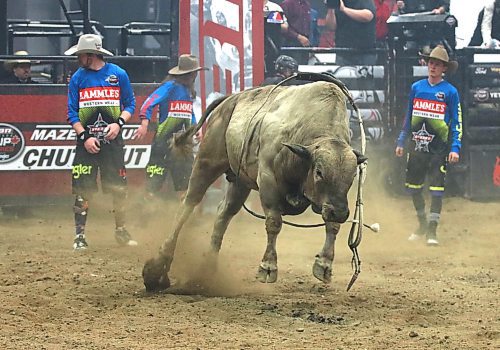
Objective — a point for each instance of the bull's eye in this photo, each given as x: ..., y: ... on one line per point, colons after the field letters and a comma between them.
x: 319, y: 174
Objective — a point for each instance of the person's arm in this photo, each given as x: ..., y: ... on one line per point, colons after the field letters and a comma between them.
x: 330, y: 20
x: 73, y: 102
x: 284, y: 26
x: 399, y: 7
x: 127, y: 100
x: 127, y: 97
x: 487, y: 22
x: 363, y: 15
x: 405, y: 130
x: 291, y: 12
x: 455, y: 128
x: 158, y: 96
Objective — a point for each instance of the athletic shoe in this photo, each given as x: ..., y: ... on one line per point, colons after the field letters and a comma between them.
x: 432, y: 242
x: 431, y: 234
x: 79, y: 243
x: 123, y: 237
x: 415, y: 237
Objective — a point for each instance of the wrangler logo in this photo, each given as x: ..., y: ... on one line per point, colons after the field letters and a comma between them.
x: 153, y: 170
x: 80, y: 169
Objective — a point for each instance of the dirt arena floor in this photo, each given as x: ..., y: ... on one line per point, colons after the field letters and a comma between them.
x: 408, y: 296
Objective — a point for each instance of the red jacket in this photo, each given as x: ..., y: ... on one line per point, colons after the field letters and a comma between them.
x: 383, y: 13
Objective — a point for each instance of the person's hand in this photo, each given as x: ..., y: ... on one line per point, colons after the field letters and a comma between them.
x: 342, y: 6
x: 436, y: 11
x: 112, y: 131
x: 400, y: 4
x: 453, y: 157
x: 303, y: 40
x: 140, y: 133
x: 198, y: 136
x: 92, y: 145
x: 400, y: 151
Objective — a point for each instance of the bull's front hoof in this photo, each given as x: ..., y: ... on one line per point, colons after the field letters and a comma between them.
x: 267, y: 273
x: 322, y: 270
x: 155, y: 276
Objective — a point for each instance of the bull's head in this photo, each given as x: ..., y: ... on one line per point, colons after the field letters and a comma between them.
x: 332, y: 171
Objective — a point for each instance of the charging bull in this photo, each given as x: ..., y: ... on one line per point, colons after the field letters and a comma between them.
x: 290, y: 143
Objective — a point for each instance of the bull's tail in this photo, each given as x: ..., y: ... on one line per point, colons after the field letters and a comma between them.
x: 182, y: 143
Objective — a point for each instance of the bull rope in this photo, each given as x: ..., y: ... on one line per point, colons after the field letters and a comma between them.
x: 356, y: 231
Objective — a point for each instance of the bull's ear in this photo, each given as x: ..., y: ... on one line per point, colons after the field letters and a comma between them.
x: 299, y: 150
x: 360, y: 156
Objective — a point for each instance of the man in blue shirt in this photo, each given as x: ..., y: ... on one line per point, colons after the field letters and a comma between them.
x: 175, y: 100
x: 434, y: 121
x: 100, y: 102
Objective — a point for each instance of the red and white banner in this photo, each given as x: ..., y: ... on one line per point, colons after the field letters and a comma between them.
x: 227, y: 36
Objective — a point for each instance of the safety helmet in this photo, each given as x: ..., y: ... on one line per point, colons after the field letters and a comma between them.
x: 286, y: 62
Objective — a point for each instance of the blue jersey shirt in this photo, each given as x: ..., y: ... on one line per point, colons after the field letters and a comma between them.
x: 434, y: 112
x: 99, y: 96
x: 175, y: 107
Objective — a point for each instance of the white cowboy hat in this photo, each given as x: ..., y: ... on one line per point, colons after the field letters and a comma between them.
x: 187, y: 64
x: 9, y: 64
x: 440, y: 53
x: 88, y: 43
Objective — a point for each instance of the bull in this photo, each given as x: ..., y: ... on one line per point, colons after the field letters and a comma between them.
x: 289, y: 143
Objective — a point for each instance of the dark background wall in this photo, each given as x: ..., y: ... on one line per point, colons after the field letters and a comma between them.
x: 112, y: 13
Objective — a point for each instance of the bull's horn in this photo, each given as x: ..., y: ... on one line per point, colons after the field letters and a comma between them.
x: 360, y: 156
x: 299, y: 150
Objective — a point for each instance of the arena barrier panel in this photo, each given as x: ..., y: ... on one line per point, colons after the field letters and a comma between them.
x: 37, y: 144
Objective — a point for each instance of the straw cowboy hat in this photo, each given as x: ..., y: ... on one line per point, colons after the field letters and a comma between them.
x: 440, y: 53
x: 88, y: 43
x: 9, y: 64
x: 187, y: 64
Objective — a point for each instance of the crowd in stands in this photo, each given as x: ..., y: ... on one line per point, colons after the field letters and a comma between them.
x: 354, y: 27
x: 357, y: 25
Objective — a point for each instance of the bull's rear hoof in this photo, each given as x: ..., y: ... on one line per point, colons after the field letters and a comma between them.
x: 267, y: 274
x: 154, y: 275
x: 322, y: 271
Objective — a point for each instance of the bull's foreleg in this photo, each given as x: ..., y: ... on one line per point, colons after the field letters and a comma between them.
x: 155, y: 270
x: 236, y: 195
x: 268, y: 268
x: 205, y: 172
x: 269, y: 197
x: 322, y: 268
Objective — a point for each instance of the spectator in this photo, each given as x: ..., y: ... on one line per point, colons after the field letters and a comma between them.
x: 100, y: 102
x: 383, y: 12
x: 436, y: 7
x: 19, y: 70
x: 434, y: 119
x: 314, y: 32
x: 175, y: 100
x: 354, y: 25
x: 298, y: 14
x: 285, y: 67
x: 487, y: 32
x: 275, y: 25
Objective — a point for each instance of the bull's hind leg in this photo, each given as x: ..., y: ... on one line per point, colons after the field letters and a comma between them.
x: 322, y: 268
x: 205, y: 171
x: 236, y: 195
